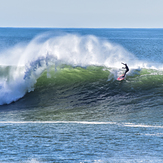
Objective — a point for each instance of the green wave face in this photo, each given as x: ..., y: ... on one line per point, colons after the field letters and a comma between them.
x: 67, y: 76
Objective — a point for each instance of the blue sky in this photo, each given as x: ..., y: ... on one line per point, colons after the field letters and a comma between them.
x: 82, y: 13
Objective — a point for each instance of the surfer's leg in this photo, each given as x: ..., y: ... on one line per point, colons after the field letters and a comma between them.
x: 125, y: 73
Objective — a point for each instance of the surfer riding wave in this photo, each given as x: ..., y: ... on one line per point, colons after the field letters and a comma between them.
x: 126, y: 67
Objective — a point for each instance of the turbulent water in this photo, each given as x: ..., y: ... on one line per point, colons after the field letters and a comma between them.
x: 60, y: 100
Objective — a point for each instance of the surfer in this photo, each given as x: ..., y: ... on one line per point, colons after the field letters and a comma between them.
x: 126, y: 67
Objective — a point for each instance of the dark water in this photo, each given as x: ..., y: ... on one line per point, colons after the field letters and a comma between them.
x: 60, y: 100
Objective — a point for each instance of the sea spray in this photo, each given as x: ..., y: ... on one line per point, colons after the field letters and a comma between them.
x: 76, y: 50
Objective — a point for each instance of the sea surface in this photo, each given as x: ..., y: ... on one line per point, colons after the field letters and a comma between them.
x: 60, y: 101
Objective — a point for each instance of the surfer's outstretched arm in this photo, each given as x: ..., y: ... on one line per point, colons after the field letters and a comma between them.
x: 123, y: 64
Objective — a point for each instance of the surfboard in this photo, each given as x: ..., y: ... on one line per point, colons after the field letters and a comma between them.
x: 121, y: 77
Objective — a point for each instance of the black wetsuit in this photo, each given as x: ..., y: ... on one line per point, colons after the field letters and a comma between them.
x: 126, y: 67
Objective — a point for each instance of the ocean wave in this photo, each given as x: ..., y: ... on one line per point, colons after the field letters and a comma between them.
x: 69, y: 60
x: 95, y: 80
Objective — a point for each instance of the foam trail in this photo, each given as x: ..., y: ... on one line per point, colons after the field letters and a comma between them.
x: 141, y: 125
x: 83, y: 122
x: 56, y: 122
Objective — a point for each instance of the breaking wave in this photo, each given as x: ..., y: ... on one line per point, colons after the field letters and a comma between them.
x: 67, y: 59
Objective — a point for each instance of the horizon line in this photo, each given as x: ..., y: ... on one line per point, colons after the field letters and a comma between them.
x: 86, y: 27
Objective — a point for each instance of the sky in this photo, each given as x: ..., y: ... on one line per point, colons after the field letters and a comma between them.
x: 82, y: 13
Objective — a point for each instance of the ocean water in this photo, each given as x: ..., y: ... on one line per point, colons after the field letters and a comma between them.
x: 60, y: 100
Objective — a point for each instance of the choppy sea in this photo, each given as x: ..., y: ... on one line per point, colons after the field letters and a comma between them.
x: 60, y: 100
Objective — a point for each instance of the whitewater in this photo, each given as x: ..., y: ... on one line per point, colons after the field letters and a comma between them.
x: 60, y: 100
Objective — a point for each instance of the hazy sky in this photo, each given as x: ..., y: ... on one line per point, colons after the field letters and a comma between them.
x: 82, y: 13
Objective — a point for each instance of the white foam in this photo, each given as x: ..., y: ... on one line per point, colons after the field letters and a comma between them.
x: 55, y: 122
x: 141, y: 125
x: 83, y: 122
